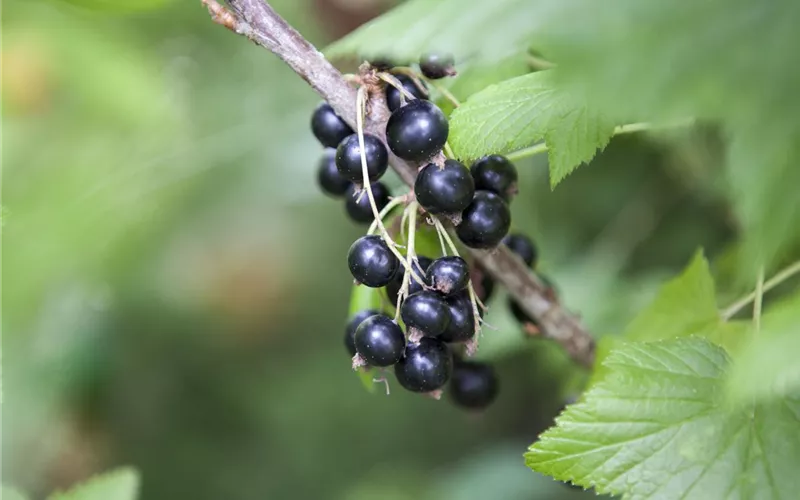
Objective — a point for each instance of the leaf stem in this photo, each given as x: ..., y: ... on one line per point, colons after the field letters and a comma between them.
x: 776, y: 280
x: 759, y: 301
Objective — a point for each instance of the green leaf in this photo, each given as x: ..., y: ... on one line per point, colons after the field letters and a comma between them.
x: 767, y: 366
x: 9, y: 493
x: 478, y: 76
x: 527, y: 109
x: 486, y: 30
x: 656, y: 427
x: 119, y: 484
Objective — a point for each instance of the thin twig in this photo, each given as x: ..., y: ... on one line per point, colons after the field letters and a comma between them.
x: 776, y: 280
x: 256, y: 20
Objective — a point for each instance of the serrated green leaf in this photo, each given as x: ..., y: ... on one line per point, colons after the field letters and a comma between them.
x: 119, y: 484
x: 9, y: 493
x: 768, y: 366
x: 486, y: 30
x: 524, y: 110
x: 477, y: 77
x: 656, y: 427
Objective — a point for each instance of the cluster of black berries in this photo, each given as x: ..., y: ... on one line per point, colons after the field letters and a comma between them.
x: 438, y: 312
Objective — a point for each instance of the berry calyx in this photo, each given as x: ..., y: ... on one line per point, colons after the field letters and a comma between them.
x: 348, y: 158
x: 523, y: 247
x: 328, y: 177
x: 328, y: 127
x: 446, y: 190
x: 393, y: 288
x: 426, y: 366
x: 417, y: 131
x: 485, y: 221
x: 425, y: 313
x: 473, y: 385
x: 371, y: 262
x: 497, y: 174
x: 357, y: 202
x: 434, y: 65
x: 352, y: 324
x: 380, y: 341
x: 462, y: 320
x: 395, y: 98
x: 448, y: 275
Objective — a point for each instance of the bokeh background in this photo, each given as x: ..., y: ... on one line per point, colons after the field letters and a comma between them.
x: 175, y: 287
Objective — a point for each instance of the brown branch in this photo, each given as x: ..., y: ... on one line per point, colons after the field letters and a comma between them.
x: 256, y: 20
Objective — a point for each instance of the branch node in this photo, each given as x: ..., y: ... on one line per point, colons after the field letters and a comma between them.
x: 221, y: 15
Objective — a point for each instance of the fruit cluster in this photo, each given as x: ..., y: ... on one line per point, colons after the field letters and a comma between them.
x: 437, y: 303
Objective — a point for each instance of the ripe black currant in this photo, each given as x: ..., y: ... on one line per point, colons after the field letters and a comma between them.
x: 473, y: 385
x: 485, y: 221
x: 357, y: 204
x: 522, y: 246
x: 496, y: 174
x: 352, y: 324
x: 328, y: 177
x: 380, y: 341
x: 425, y: 312
x: 462, y: 320
x: 447, y: 190
x: 395, y: 98
x: 348, y: 158
x: 371, y: 262
x: 328, y: 127
x: 448, y: 275
x: 393, y: 288
x: 426, y: 366
x: 417, y: 131
x: 435, y: 66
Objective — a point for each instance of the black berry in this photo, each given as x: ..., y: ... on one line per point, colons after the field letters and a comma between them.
x: 425, y: 312
x: 417, y: 131
x: 446, y: 190
x: 435, y: 66
x: 380, y: 341
x: 395, y: 98
x: 425, y: 367
x: 448, y: 275
x: 496, y: 174
x: 328, y: 177
x: 523, y: 247
x: 473, y: 385
x: 371, y: 262
x: 348, y: 158
x: 462, y: 320
x: 328, y: 128
x: 393, y: 288
x: 352, y: 324
x: 357, y: 202
x: 485, y: 221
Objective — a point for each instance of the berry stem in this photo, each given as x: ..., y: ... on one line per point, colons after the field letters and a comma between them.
x: 730, y: 311
x: 385, y: 211
x: 411, y: 257
x: 759, y: 301
x: 394, y: 82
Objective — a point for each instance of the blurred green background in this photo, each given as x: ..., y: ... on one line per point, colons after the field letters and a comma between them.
x: 176, y: 289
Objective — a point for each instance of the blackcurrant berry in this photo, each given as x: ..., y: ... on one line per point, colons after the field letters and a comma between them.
x: 485, y: 221
x: 473, y: 385
x: 348, y: 158
x: 523, y: 247
x: 393, y: 288
x: 496, y: 174
x: 328, y: 127
x: 447, y: 190
x: 425, y: 312
x: 417, y: 131
x: 380, y: 341
x: 426, y: 366
x: 371, y: 262
x: 357, y: 202
x: 395, y: 98
x: 328, y: 177
x: 352, y: 324
x: 462, y: 320
x: 435, y: 66
x: 448, y: 275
